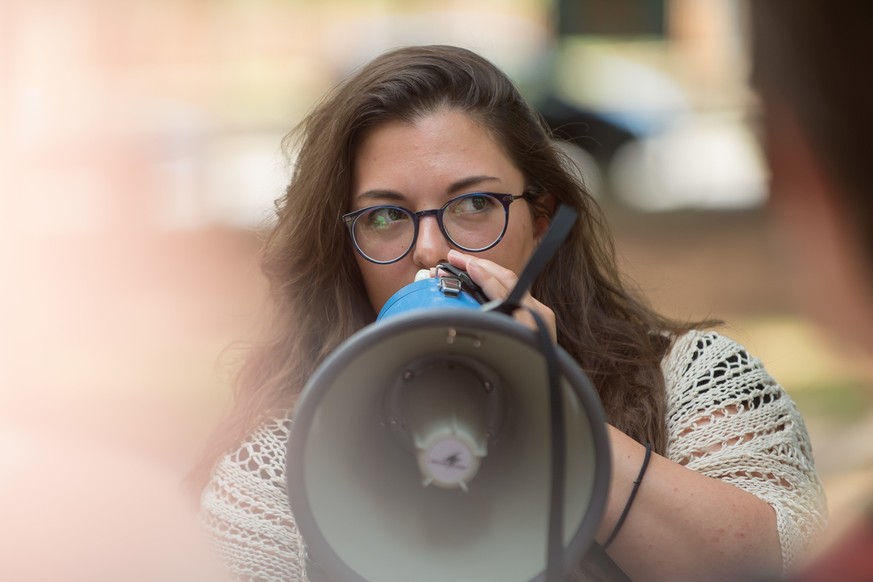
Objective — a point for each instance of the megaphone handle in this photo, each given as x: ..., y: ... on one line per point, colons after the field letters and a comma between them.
x: 598, y: 566
x: 555, y: 538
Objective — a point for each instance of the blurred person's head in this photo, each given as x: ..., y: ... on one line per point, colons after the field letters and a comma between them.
x: 812, y: 68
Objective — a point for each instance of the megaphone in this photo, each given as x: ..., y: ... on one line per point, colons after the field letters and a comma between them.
x: 421, y: 449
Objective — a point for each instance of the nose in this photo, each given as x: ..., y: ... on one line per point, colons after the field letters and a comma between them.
x: 431, y: 247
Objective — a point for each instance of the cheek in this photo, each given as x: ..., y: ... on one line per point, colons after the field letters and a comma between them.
x: 382, y: 281
x: 520, y: 244
x: 369, y: 276
x: 512, y: 253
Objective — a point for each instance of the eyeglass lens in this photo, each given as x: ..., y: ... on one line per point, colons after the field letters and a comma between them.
x: 472, y: 223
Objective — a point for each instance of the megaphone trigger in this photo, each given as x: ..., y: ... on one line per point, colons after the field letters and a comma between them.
x: 466, y: 282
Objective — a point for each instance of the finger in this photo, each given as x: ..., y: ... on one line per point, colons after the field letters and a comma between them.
x: 497, y: 282
x: 481, y: 270
x: 524, y: 316
x: 458, y: 259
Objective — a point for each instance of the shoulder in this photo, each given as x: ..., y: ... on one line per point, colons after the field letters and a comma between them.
x: 701, y: 349
x: 245, y: 510
x: 708, y: 365
x: 730, y: 420
x: 710, y: 376
x: 263, y: 451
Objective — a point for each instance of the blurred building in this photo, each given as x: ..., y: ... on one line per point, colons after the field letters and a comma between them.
x: 170, y: 114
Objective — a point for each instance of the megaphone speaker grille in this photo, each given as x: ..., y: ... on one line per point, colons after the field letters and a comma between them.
x: 358, y: 493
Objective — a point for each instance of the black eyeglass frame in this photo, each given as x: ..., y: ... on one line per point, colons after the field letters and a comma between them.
x: 505, y: 200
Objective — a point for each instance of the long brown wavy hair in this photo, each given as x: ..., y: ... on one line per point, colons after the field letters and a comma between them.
x: 317, y: 292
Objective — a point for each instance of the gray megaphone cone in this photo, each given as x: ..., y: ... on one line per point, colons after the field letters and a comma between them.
x: 364, y: 504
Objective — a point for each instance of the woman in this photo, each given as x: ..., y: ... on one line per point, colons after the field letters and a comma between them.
x: 730, y: 491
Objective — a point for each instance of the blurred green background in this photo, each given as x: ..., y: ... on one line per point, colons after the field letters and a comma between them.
x: 141, y: 155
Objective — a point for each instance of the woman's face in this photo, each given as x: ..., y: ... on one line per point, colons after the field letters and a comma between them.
x: 421, y: 166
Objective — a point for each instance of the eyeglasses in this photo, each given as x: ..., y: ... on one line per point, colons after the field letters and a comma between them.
x: 472, y: 222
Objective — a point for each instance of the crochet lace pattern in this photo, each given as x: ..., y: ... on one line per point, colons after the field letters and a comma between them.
x: 726, y: 418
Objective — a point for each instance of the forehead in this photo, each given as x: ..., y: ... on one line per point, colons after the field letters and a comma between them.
x: 430, y: 152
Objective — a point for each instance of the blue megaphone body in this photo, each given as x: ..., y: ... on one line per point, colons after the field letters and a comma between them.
x: 443, y: 292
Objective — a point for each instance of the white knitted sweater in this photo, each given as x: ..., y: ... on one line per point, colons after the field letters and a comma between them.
x: 726, y: 418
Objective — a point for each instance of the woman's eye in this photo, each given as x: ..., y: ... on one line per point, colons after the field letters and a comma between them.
x: 472, y: 204
x: 382, y: 218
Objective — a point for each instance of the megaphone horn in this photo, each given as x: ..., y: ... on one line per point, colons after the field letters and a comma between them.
x: 421, y: 450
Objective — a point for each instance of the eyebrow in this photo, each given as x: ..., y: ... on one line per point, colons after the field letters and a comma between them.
x: 454, y: 188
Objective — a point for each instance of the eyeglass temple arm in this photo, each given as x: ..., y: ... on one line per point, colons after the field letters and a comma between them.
x: 560, y: 227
